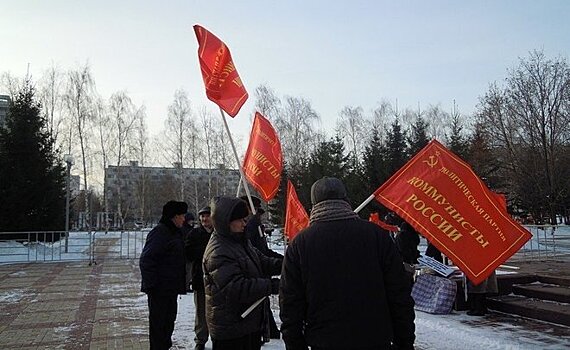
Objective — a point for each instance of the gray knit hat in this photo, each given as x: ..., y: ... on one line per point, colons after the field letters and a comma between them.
x: 328, y: 188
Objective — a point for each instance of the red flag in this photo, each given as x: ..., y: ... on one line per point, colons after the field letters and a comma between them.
x: 223, y: 84
x: 296, y: 217
x: 375, y: 218
x: 443, y: 199
x: 263, y: 162
x: 501, y: 200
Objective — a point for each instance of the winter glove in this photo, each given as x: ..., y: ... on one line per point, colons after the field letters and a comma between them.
x: 275, y: 285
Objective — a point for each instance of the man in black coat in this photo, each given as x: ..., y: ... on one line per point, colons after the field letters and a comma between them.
x: 195, y: 245
x: 343, y: 284
x: 162, y: 265
x: 186, y: 228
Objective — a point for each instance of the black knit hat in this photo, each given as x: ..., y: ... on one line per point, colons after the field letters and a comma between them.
x: 205, y: 210
x: 189, y: 217
x: 240, y: 211
x: 328, y: 188
x: 256, y: 203
x: 172, y: 208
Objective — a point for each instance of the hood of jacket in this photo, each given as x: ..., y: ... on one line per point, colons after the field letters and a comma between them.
x: 222, y: 208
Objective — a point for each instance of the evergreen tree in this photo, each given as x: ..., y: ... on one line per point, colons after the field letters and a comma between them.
x: 32, y: 180
x: 328, y: 159
x: 375, y: 167
x: 456, y: 141
x: 418, y: 136
x: 396, y: 152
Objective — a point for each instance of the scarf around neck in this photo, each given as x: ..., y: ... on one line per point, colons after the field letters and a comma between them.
x: 331, y: 210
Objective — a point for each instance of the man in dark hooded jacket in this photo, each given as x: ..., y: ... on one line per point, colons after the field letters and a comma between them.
x: 195, y: 246
x: 235, y: 277
x: 255, y: 232
x: 162, y: 265
x: 343, y: 284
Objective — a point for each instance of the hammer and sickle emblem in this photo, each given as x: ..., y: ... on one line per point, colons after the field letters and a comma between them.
x: 431, y: 162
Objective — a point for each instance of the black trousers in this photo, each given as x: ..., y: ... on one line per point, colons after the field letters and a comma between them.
x: 247, y: 342
x: 162, y: 311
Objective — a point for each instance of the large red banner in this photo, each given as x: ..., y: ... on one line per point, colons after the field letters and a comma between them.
x: 442, y: 198
x: 296, y: 217
x: 223, y: 84
x: 263, y: 162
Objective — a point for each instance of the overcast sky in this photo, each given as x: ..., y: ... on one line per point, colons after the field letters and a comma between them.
x: 333, y: 53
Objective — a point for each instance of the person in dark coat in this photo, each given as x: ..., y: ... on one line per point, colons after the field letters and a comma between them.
x: 407, y: 242
x: 162, y: 265
x: 477, y: 295
x: 186, y: 228
x: 195, y: 246
x: 433, y: 252
x: 235, y: 277
x: 343, y: 284
x: 255, y: 232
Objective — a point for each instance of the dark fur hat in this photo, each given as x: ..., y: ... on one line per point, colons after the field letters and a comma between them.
x: 172, y: 208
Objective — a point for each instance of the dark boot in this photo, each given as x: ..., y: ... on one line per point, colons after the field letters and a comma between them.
x: 477, y: 304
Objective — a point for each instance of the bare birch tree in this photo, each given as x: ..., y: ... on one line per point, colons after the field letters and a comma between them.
x: 51, y: 96
x: 79, y: 99
x: 352, y: 127
x: 179, y: 128
x: 296, y: 127
x: 530, y: 118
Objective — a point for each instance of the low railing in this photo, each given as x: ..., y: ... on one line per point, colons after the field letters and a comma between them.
x: 57, y: 246
x: 547, y: 241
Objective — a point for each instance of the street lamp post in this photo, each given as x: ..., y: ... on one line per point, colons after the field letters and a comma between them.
x: 69, y: 161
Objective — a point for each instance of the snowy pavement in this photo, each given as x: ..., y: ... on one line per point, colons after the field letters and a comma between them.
x: 71, y: 305
x: 441, y: 332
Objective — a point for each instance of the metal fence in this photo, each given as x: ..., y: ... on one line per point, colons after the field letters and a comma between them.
x: 91, y: 246
x: 547, y: 241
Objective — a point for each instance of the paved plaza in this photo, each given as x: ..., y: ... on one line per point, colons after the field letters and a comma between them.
x: 71, y: 305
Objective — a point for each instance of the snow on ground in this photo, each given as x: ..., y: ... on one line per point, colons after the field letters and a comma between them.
x: 441, y: 332
x: 453, y: 331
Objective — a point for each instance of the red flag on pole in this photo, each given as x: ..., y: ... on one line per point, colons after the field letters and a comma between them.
x: 263, y: 162
x: 222, y: 81
x: 296, y: 217
x: 375, y: 218
x: 442, y: 198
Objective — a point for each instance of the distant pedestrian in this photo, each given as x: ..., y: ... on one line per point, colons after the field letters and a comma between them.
x: 162, y: 265
x: 235, y: 277
x: 195, y: 246
x: 343, y: 284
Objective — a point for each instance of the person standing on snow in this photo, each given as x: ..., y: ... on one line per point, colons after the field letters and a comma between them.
x: 162, y: 265
x: 235, y: 277
x: 254, y: 230
x: 343, y: 284
x: 477, y: 295
x: 195, y: 246
x: 186, y: 228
